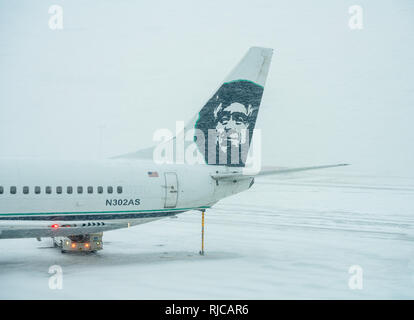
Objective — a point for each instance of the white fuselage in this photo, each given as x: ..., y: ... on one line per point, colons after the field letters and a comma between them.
x: 74, y: 195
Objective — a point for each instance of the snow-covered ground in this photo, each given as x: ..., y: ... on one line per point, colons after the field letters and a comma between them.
x: 289, y: 237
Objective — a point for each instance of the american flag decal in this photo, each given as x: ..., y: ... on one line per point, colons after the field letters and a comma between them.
x: 153, y: 174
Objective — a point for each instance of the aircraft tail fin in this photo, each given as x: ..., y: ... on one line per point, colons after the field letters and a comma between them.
x: 227, y: 120
x: 222, y: 131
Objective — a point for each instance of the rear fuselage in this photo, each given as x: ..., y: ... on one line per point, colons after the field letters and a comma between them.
x: 106, y: 189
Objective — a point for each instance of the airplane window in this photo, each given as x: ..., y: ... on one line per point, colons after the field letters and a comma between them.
x: 13, y: 190
x: 119, y: 189
x: 1, y: 190
x: 37, y: 189
x: 100, y: 189
x: 48, y: 190
x: 58, y: 190
x: 80, y: 189
x: 110, y: 189
x: 25, y: 190
x: 69, y: 190
x: 90, y: 189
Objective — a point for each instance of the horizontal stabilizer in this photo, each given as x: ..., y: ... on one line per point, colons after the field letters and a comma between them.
x: 290, y: 170
x: 239, y: 175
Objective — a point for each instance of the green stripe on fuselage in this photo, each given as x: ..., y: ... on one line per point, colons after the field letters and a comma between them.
x: 102, y: 212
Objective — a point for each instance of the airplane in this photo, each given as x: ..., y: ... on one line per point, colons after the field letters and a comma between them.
x: 57, y: 198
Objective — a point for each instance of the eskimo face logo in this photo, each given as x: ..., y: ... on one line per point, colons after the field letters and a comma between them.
x: 232, y: 124
x: 227, y: 122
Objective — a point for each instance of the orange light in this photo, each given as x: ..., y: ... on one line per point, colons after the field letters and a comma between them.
x: 73, y: 245
x: 86, y: 245
x: 55, y: 226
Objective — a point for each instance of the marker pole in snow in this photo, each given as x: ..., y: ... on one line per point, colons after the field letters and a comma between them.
x: 202, y: 233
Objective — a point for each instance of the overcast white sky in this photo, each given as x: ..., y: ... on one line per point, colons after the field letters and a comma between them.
x: 127, y: 68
